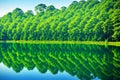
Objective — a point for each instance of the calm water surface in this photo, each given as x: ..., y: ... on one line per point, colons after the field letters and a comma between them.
x: 59, y: 62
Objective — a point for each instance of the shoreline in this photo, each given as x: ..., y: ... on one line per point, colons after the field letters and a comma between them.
x: 63, y: 42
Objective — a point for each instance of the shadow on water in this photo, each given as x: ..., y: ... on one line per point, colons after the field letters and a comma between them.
x: 84, y: 61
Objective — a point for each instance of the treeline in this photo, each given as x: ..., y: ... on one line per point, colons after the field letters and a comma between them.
x: 90, y: 20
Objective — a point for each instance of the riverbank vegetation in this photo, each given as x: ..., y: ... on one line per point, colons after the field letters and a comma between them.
x: 64, y: 42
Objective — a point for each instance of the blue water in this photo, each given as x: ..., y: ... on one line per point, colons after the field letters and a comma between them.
x: 9, y: 74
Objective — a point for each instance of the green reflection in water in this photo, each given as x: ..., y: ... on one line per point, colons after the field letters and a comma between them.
x: 82, y: 61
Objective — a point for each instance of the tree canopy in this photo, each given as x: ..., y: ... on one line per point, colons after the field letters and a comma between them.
x: 91, y: 20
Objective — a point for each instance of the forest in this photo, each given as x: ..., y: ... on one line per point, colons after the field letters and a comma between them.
x: 91, y: 20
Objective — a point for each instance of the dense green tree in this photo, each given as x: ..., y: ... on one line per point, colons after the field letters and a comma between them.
x: 17, y: 13
x: 40, y: 8
x: 29, y: 13
x: 50, y: 8
x: 116, y: 21
x: 63, y: 8
x: 84, y: 20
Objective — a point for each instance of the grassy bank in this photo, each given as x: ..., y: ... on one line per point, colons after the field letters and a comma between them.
x: 65, y: 42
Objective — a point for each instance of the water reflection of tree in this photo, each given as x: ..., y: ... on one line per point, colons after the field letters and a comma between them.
x: 116, y: 62
x: 77, y: 60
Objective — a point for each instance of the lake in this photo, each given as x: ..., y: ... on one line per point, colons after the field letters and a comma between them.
x: 59, y: 62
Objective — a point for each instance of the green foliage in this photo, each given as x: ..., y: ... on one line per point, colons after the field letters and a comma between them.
x: 90, y: 20
x: 50, y: 8
x: 40, y: 8
x: 63, y: 8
